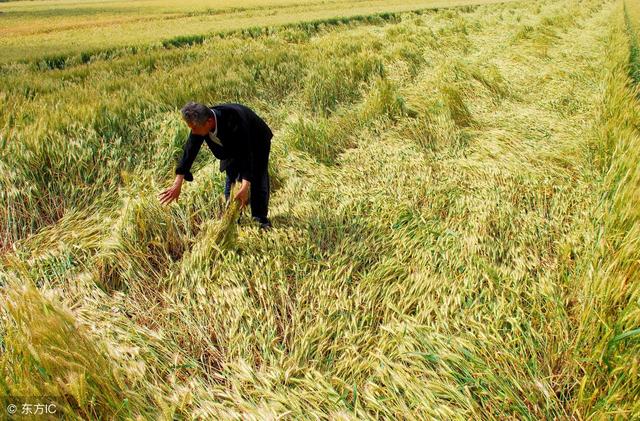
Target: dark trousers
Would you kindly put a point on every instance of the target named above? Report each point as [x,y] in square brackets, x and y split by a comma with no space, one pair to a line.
[259,198]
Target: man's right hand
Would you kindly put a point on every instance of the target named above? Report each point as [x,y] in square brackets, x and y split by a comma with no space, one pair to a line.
[173,192]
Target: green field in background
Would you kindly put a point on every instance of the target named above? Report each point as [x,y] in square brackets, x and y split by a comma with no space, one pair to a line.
[31,30]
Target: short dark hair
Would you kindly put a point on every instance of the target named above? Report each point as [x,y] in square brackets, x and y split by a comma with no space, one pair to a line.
[195,113]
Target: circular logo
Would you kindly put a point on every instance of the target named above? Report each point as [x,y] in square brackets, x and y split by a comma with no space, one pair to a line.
[11,409]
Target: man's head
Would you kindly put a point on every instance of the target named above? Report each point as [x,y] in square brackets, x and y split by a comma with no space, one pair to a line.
[199,118]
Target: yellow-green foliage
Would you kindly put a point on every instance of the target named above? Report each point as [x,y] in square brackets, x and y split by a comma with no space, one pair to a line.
[143,240]
[216,236]
[609,325]
[455,235]
[47,354]
[58,33]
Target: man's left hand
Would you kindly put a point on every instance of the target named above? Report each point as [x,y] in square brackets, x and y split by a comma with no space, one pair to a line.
[243,194]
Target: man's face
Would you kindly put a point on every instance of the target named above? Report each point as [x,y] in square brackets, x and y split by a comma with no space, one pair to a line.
[201,130]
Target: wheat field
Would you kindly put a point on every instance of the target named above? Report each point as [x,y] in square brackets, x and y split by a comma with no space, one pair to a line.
[455,208]
[78,30]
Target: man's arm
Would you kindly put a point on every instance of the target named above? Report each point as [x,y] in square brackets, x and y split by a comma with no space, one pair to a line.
[189,153]
[246,162]
[247,165]
[254,130]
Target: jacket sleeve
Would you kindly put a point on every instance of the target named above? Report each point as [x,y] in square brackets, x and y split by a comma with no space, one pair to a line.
[251,132]
[247,161]
[189,153]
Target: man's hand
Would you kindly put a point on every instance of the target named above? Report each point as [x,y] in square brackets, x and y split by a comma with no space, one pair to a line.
[243,193]
[173,192]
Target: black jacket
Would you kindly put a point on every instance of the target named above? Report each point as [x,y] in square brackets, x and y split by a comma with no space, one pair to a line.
[245,138]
